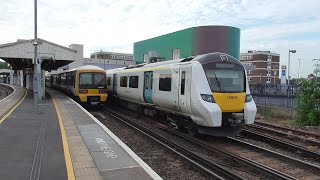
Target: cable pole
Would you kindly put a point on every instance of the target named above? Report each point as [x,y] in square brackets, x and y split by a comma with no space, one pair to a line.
[35,76]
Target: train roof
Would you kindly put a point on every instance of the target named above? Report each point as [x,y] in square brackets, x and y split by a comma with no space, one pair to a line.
[216,57]
[85,67]
[202,59]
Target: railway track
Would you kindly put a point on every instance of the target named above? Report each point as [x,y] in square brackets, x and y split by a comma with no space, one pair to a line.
[212,169]
[227,160]
[303,140]
[287,164]
[238,148]
[4,92]
[282,141]
[287,131]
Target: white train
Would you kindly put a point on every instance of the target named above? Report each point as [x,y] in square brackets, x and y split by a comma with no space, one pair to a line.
[206,94]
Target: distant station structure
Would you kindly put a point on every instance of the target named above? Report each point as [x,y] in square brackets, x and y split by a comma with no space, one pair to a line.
[104,60]
[20,55]
[189,42]
[263,66]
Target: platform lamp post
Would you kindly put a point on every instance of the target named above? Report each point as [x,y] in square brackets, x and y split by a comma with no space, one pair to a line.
[35,61]
[317,64]
[299,71]
[290,51]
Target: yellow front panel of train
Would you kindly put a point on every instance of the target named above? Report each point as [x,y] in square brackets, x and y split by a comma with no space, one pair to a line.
[230,102]
[93,92]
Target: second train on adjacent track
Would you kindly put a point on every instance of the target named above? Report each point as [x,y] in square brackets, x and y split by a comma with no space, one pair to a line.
[87,84]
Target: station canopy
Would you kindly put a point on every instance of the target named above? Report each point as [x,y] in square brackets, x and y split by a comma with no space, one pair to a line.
[20,54]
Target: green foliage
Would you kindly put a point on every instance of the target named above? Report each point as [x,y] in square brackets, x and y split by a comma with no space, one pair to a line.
[4,65]
[308,103]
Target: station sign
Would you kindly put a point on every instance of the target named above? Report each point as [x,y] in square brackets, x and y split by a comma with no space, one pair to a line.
[283,74]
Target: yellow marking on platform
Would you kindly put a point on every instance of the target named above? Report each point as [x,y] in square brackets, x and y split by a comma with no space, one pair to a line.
[14,108]
[66,151]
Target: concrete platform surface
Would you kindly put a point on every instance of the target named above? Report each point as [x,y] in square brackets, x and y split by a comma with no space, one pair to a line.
[61,141]
[31,144]
[95,151]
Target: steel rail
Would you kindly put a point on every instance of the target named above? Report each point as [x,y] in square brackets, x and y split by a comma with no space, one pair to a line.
[294,131]
[6,90]
[294,147]
[294,160]
[266,171]
[281,133]
[201,163]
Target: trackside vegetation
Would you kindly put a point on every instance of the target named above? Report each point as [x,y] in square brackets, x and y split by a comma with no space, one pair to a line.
[4,65]
[308,103]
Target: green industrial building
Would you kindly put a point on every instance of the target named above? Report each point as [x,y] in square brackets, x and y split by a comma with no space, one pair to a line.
[189,42]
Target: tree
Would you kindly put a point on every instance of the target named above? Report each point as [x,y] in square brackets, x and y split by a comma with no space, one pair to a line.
[4,65]
[316,71]
[308,103]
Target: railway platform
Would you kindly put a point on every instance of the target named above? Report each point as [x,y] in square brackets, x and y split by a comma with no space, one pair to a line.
[61,141]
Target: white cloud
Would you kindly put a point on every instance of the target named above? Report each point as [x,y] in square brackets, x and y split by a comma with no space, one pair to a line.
[117,24]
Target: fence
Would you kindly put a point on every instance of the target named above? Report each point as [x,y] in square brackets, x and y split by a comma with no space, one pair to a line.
[280,95]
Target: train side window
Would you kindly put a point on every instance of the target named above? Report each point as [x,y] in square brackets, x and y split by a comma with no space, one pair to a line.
[183,82]
[133,81]
[146,83]
[151,81]
[123,81]
[165,82]
[72,78]
[109,81]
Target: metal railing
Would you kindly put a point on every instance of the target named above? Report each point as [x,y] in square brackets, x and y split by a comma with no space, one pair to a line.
[281,95]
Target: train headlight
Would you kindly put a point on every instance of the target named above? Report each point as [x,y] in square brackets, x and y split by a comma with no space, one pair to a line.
[208,98]
[81,91]
[248,98]
[102,91]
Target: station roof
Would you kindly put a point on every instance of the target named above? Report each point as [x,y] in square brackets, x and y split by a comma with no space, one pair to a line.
[20,54]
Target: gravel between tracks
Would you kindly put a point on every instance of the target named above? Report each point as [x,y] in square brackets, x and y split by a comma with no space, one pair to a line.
[161,160]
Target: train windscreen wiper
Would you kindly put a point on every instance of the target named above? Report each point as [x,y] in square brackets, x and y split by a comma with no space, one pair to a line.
[219,83]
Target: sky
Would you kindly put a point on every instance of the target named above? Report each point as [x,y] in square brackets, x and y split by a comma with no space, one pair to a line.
[114,25]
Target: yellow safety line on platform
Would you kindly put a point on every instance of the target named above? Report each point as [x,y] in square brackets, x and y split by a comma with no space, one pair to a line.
[14,108]
[67,156]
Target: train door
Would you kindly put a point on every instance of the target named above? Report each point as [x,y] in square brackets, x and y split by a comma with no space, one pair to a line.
[185,88]
[147,89]
[115,85]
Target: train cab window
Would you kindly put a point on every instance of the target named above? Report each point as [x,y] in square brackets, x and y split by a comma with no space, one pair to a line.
[165,82]
[133,81]
[123,81]
[225,77]
[99,80]
[92,80]
[183,82]
[86,79]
